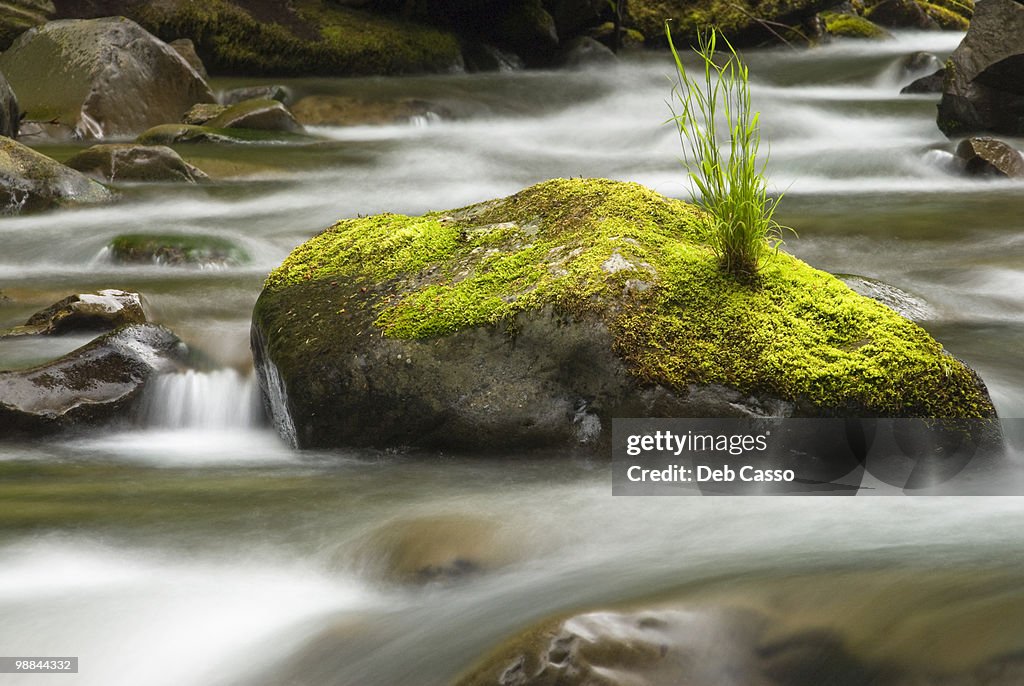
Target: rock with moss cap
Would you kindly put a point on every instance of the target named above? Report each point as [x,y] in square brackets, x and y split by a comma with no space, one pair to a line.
[534,319]
[31,181]
[852,26]
[176,250]
[176,134]
[103,77]
[258,114]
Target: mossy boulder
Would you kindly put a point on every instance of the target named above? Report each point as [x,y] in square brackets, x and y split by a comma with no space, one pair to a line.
[113,162]
[99,383]
[337,110]
[300,38]
[103,77]
[951,15]
[31,181]
[175,134]
[234,96]
[176,249]
[852,26]
[535,319]
[10,111]
[258,115]
[18,16]
[187,49]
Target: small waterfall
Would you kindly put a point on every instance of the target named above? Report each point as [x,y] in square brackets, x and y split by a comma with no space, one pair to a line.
[221,399]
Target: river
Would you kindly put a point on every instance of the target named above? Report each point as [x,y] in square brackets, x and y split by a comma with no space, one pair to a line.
[198,549]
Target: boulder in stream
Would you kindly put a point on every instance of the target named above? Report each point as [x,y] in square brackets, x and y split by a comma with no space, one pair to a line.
[30,181]
[103,311]
[989,157]
[113,162]
[103,77]
[335,110]
[261,115]
[176,134]
[10,111]
[18,16]
[533,320]
[95,385]
[984,79]
[176,250]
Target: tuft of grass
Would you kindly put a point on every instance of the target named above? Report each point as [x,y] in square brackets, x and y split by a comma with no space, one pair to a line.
[712,112]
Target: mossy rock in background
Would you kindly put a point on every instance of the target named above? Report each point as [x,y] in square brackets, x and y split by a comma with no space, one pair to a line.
[534,319]
[175,134]
[18,16]
[259,115]
[176,249]
[852,26]
[113,162]
[952,15]
[314,39]
[30,182]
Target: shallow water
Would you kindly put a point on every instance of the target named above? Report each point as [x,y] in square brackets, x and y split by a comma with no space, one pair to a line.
[197,548]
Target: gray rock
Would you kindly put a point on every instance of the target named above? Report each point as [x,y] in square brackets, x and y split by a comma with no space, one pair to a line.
[984,81]
[236,95]
[926,84]
[103,311]
[202,112]
[174,134]
[257,115]
[97,384]
[989,157]
[10,111]
[36,132]
[112,162]
[901,14]
[584,52]
[330,110]
[31,181]
[187,49]
[18,16]
[103,77]
[907,305]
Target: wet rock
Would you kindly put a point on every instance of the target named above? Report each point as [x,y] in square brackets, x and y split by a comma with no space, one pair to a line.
[100,383]
[901,14]
[984,80]
[258,115]
[490,58]
[575,16]
[920,61]
[113,162]
[31,181]
[187,49]
[527,29]
[202,112]
[533,320]
[10,111]
[103,311]
[330,110]
[103,77]
[236,95]
[36,132]
[18,16]
[176,134]
[907,305]
[852,26]
[989,157]
[176,250]
[926,84]
[584,52]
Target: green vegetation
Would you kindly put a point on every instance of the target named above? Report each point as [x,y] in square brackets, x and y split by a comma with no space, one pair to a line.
[852,26]
[731,188]
[640,263]
[176,249]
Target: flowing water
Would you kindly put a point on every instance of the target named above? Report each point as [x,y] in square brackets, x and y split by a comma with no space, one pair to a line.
[198,549]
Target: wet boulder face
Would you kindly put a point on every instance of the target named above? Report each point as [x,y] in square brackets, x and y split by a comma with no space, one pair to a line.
[103,77]
[31,181]
[983,88]
[533,320]
[260,115]
[990,157]
[18,16]
[97,384]
[175,134]
[103,311]
[330,110]
[113,162]
[10,111]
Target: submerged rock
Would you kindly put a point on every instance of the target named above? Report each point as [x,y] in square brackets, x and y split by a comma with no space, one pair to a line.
[260,115]
[176,249]
[989,157]
[103,311]
[333,110]
[533,320]
[31,181]
[236,95]
[175,134]
[897,299]
[984,79]
[97,384]
[114,162]
[103,77]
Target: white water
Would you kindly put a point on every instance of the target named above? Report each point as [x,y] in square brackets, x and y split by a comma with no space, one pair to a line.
[221,399]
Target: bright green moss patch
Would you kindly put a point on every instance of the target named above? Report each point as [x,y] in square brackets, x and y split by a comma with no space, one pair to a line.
[852,26]
[638,262]
[176,249]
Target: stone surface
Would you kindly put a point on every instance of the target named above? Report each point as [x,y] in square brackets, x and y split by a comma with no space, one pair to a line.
[187,49]
[236,95]
[31,181]
[901,14]
[984,79]
[175,134]
[926,84]
[18,16]
[103,77]
[584,52]
[257,115]
[176,250]
[201,113]
[534,320]
[896,299]
[103,311]
[990,157]
[10,111]
[113,162]
[97,384]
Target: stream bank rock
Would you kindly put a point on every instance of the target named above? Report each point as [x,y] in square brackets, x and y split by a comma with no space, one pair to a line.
[102,77]
[97,384]
[103,311]
[10,110]
[990,157]
[112,162]
[534,319]
[983,88]
[31,181]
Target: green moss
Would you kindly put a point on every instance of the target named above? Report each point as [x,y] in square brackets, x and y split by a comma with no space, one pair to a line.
[174,134]
[641,263]
[852,26]
[949,18]
[742,21]
[338,41]
[176,249]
